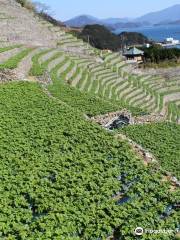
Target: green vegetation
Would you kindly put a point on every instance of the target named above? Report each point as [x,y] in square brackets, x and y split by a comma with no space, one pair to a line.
[13,62]
[37,68]
[41,10]
[85,102]
[4,49]
[88,103]
[162,139]
[102,38]
[133,38]
[163,64]
[66,178]
[63,177]
[27,4]
[158,56]
[50,19]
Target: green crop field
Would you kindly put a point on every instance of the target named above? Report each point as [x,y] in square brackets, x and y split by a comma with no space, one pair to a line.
[63,177]
[162,139]
[85,102]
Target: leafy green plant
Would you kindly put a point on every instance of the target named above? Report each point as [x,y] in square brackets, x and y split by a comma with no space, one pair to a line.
[4,49]
[63,177]
[13,62]
[38,69]
[162,139]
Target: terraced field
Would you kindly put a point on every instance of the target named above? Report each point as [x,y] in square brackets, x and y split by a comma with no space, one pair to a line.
[63,176]
[78,64]
[101,76]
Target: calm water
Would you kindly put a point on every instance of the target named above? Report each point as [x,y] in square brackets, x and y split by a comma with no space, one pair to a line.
[158,33]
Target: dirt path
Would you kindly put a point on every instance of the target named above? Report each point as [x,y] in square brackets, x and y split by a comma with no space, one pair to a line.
[145,155]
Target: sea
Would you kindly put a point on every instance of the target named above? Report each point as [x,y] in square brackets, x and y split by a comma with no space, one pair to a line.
[156,33]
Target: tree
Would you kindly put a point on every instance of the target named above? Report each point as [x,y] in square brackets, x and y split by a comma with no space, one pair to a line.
[41,7]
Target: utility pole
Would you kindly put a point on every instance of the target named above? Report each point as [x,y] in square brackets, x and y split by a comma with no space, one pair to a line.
[88,39]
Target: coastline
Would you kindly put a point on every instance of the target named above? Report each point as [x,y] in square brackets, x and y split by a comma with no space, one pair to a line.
[155,33]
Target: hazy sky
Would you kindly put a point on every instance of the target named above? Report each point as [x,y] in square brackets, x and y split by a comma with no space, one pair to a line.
[66,9]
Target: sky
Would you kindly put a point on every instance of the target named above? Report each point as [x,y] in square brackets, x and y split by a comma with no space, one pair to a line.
[66,9]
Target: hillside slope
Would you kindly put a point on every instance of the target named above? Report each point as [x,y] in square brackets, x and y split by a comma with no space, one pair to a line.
[102,38]
[17,24]
[165,15]
[66,178]
[63,177]
[82,21]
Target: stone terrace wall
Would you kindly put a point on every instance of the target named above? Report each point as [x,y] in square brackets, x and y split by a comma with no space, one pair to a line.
[18,25]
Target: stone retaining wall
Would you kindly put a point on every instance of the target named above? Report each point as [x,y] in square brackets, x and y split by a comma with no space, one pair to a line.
[18,25]
[108,118]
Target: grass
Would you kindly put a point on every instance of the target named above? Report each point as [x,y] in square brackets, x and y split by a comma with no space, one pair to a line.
[5,49]
[161,139]
[37,69]
[13,62]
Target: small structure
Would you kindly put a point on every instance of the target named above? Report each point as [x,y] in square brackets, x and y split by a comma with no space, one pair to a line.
[172,41]
[134,54]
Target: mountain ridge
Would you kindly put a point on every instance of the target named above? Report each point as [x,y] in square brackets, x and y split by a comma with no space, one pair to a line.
[89,18]
[111,23]
[169,14]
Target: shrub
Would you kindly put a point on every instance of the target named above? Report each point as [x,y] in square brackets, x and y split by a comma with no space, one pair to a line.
[27,4]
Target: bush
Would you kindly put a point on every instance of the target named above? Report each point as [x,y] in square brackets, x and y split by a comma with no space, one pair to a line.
[156,54]
[100,37]
[27,4]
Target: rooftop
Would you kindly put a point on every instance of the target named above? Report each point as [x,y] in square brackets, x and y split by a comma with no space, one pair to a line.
[133,51]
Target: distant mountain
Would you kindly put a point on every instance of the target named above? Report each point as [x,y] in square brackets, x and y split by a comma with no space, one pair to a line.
[129,25]
[167,15]
[177,22]
[82,21]
[115,20]
[171,14]
[111,23]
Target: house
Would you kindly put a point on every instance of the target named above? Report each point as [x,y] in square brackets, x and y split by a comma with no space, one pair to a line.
[134,54]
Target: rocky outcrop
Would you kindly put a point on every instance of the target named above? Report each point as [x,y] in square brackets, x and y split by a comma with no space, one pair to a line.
[45,79]
[107,119]
[124,117]
[7,75]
